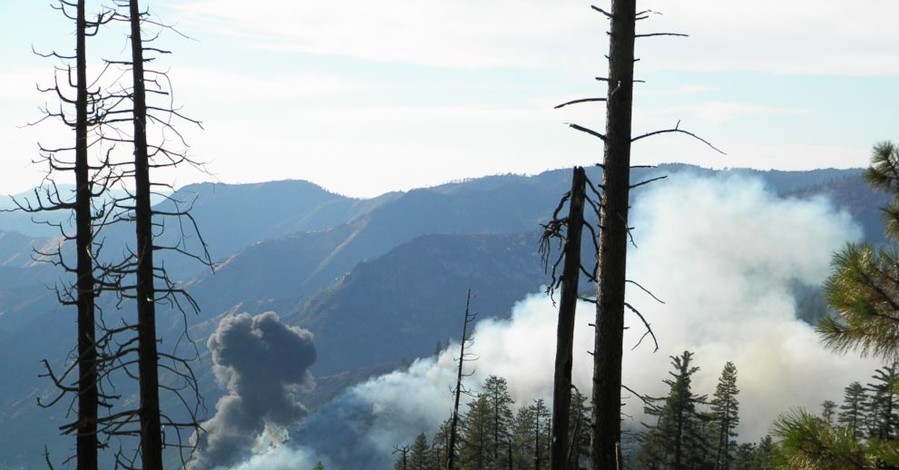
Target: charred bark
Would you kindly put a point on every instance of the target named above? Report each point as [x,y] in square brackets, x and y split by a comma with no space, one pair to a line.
[88,397]
[150,426]
[613,237]
[565,332]
[454,423]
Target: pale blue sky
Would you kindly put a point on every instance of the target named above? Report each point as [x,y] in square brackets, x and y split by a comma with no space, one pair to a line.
[366,97]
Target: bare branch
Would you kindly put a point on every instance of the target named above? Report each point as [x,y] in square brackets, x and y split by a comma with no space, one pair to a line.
[642,183]
[607,14]
[585,130]
[651,35]
[677,129]
[645,290]
[648,332]
[582,100]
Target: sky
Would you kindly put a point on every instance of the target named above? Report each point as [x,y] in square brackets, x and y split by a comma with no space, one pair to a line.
[367,97]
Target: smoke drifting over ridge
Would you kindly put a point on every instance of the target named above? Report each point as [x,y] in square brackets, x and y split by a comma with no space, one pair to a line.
[723,253]
[262,363]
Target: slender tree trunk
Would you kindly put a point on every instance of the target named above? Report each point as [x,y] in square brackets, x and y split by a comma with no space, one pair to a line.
[451,451]
[565,331]
[537,442]
[150,428]
[86,442]
[678,443]
[495,426]
[606,414]
[722,460]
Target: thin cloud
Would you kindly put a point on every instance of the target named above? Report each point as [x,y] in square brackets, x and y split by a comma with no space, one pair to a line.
[804,37]
[452,34]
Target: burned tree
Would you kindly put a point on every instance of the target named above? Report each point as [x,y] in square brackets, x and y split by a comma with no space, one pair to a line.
[113,194]
[614,230]
[140,276]
[568,281]
[150,425]
[91,182]
[88,398]
[613,225]
[458,390]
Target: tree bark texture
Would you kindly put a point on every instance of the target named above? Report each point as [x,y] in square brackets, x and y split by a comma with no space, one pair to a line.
[565,330]
[86,441]
[451,451]
[613,237]
[150,428]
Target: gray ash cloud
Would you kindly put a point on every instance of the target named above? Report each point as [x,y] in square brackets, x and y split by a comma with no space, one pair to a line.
[262,363]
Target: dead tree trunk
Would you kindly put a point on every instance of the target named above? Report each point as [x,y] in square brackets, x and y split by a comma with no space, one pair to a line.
[150,428]
[88,397]
[86,442]
[606,414]
[451,450]
[565,332]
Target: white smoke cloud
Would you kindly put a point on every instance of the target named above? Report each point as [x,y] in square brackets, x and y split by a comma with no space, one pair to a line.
[722,253]
[282,458]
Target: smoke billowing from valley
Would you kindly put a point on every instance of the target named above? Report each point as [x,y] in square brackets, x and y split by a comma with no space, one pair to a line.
[728,259]
[262,363]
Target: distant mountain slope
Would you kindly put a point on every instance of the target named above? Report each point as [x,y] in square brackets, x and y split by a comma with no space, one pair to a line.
[233,216]
[16,249]
[403,303]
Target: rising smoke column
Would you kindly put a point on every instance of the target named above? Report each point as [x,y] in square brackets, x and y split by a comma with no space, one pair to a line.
[262,363]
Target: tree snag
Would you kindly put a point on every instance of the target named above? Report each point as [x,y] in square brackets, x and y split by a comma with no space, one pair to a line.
[565,331]
[606,415]
[86,441]
[150,427]
[454,423]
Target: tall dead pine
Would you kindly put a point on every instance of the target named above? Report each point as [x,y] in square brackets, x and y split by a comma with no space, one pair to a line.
[88,397]
[614,232]
[150,427]
[454,423]
[565,331]
[606,415]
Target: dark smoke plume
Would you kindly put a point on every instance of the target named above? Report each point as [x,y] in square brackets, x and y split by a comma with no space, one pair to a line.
[262,363]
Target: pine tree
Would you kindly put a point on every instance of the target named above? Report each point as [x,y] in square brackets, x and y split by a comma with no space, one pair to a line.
[852,411]
[765,453]
[864,285]
[882,404]
[496,390]
[725,415]
[755,456]
[531,437]
[438,450]
[418,454]
[745,457]
[476,445]
[676,440]
[578,431]
[828,408]
[808,441]
[542,436]
[402,458]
